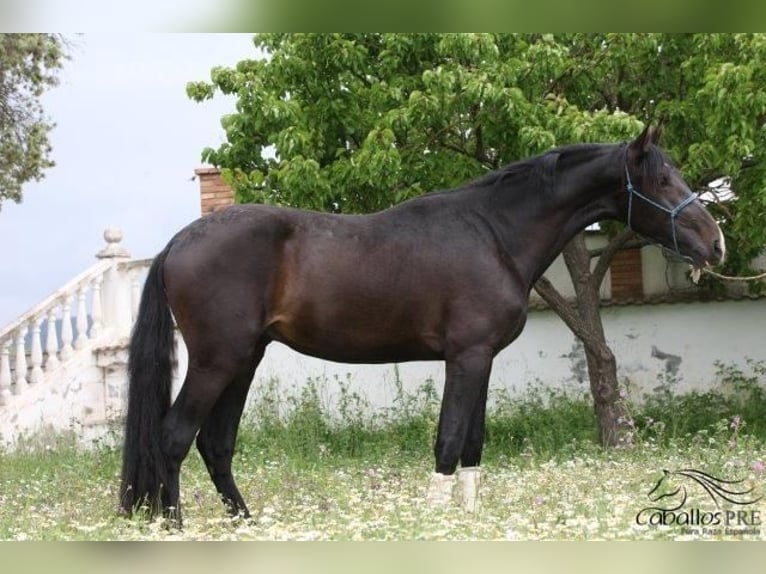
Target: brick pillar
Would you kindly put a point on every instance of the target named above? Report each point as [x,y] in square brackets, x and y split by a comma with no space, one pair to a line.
[214,193]
[627,275]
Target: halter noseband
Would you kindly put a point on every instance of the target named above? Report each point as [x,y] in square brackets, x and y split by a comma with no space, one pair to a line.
[632,191]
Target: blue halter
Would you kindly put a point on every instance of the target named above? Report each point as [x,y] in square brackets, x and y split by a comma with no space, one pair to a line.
[674,213]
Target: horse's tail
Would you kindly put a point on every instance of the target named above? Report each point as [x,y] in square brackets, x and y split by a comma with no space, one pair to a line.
[150,371]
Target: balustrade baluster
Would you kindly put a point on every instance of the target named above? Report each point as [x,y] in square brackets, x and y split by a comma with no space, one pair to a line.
[5,373]
[135,293]
[36,356]
[51,342]
[66,328]
[82,318]
[96,312]
[21,361]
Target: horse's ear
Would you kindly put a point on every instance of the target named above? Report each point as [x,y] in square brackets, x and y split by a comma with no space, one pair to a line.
[650,135]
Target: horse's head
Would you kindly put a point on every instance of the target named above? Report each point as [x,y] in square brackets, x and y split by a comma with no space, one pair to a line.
[660,205]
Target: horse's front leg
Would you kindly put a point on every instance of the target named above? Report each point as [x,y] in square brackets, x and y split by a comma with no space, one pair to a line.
[460,434]
[469,475]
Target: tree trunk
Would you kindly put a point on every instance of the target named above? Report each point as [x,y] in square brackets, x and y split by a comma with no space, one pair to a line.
[611,414]
[584,319]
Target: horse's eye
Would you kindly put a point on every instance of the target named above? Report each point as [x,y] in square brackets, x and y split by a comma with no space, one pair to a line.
[664,180]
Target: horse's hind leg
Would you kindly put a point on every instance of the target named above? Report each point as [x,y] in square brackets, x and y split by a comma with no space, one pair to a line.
[209,375]
[197,396]
[218,435]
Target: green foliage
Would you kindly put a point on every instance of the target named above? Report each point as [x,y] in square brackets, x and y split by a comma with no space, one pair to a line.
[29,64]
[301,425]
[361,121]
[542,422]
[738,394]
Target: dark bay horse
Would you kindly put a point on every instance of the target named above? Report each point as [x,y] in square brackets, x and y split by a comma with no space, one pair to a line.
[445,276]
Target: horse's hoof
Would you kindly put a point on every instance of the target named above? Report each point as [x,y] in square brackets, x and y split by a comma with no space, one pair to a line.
[241,517]
[440,489]
[469,479]
[173,524]
[172,518]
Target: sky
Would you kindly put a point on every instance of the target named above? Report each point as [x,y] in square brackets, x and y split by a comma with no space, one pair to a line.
[94,15]
[126,143]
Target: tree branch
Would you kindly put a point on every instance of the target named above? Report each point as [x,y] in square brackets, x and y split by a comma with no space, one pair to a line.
[710,175]
[560,305]
[461,150]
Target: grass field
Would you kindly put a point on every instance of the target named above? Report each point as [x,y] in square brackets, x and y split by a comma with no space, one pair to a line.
[307,477]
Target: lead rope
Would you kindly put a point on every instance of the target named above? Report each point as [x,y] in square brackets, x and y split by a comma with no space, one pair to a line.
[730,278]
[696,273]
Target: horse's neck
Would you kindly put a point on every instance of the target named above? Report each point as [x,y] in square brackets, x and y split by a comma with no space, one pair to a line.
[584,192]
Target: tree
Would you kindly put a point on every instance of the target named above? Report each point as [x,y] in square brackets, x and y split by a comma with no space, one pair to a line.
[360,122]
[29,64]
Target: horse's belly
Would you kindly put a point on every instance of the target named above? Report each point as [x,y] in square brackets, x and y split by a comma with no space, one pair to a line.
[364,355]
[347,339]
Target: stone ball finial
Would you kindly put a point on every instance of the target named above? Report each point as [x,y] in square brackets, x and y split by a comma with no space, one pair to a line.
[112,234]
[113,237]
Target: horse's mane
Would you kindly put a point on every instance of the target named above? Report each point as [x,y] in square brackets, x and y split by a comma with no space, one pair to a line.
[539,169]
[542,168]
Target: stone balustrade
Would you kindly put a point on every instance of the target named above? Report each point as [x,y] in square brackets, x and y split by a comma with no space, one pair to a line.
[98,305]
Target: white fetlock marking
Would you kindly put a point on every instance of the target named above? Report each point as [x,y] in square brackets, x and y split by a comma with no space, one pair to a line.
[470,480]
[440,489]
